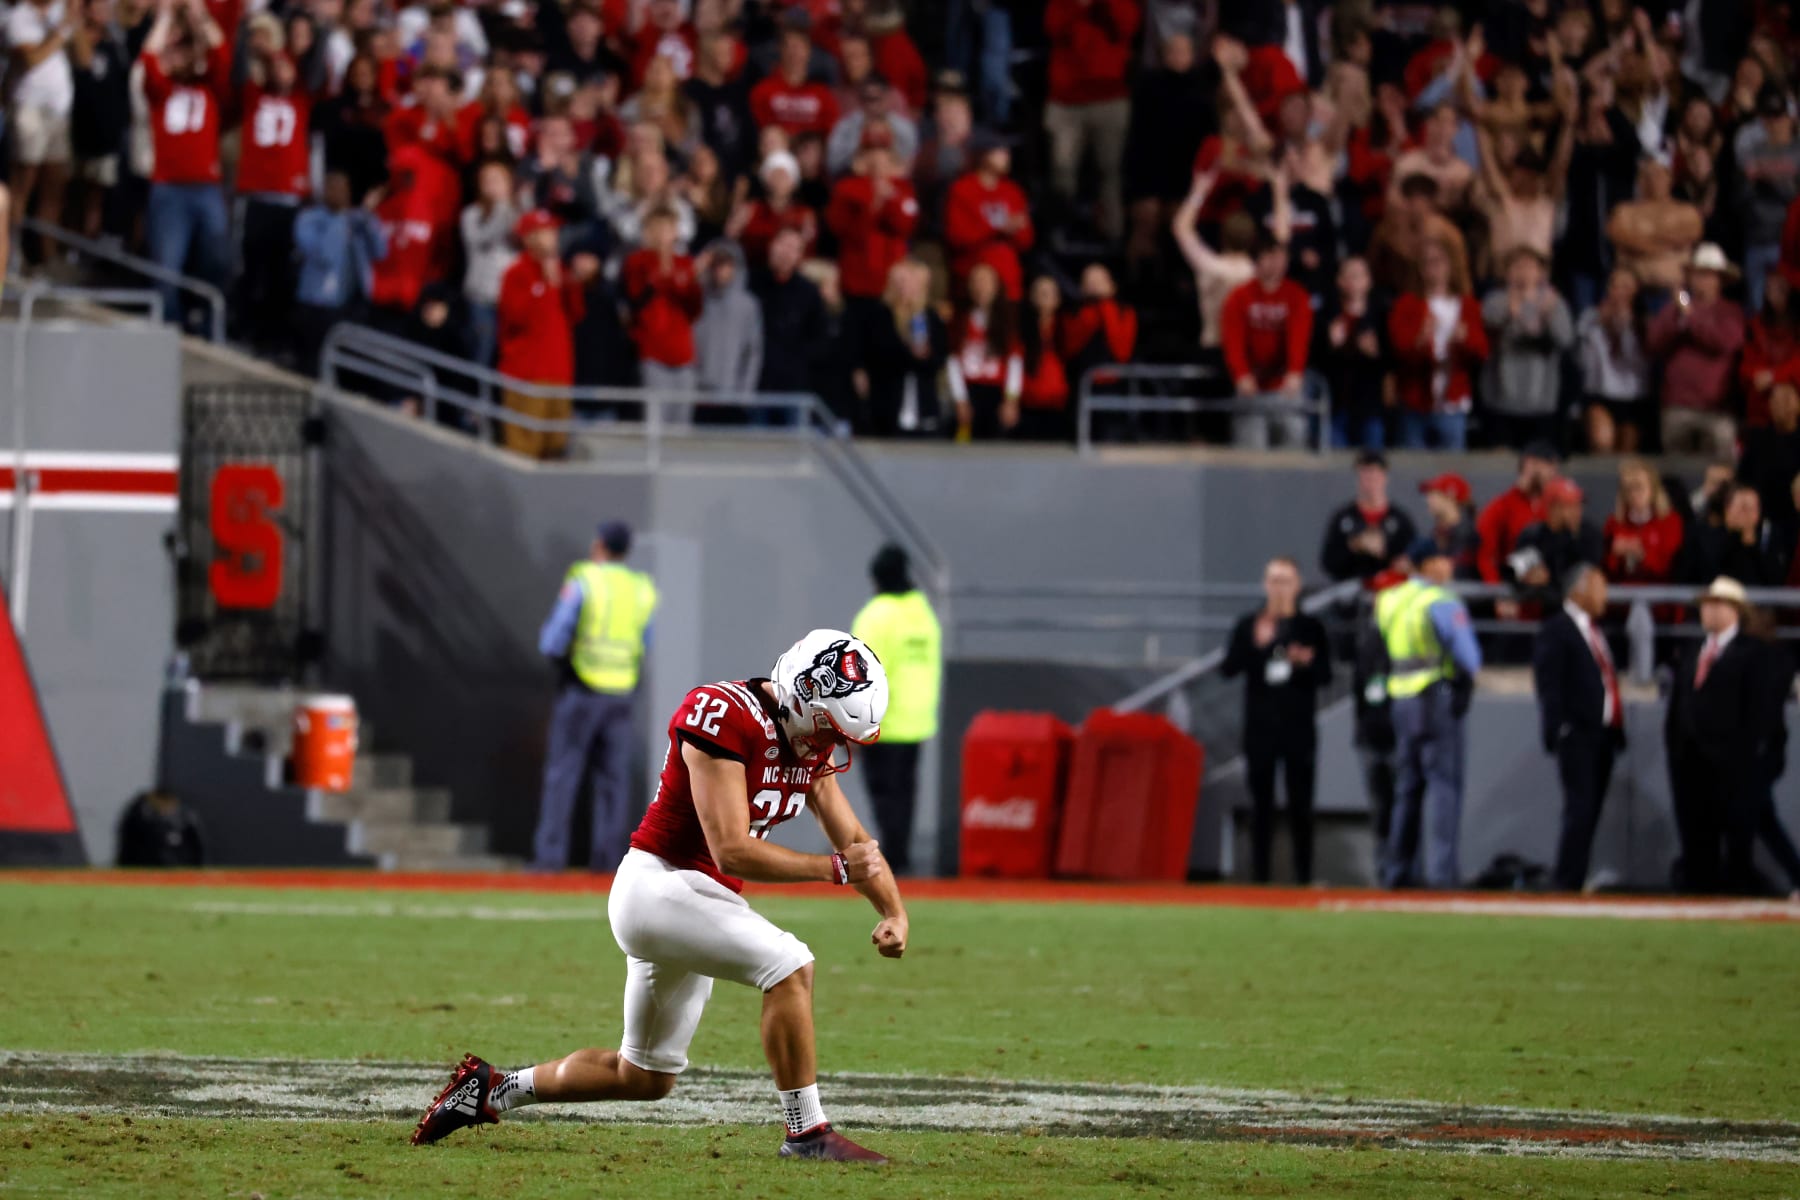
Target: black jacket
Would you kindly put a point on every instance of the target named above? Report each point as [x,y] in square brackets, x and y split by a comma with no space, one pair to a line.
[1341,562]
[1160,153]
[1713,550]
[1770,461]
[890,361]
[1561,550]
[1374,717]
[1356,377]
[1571,691]
[1280,705]
[1773,685]
[1718,724]
[793,330]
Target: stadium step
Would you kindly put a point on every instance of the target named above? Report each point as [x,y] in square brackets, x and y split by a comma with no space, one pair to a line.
[381,838]
[389,805]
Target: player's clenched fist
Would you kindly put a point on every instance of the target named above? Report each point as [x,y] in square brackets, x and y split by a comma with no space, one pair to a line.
[890,937]
[863,861]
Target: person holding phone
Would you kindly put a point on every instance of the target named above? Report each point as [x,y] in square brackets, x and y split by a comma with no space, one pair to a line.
[1695,342]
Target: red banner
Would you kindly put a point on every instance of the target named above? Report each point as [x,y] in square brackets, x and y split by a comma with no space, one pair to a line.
[32,798]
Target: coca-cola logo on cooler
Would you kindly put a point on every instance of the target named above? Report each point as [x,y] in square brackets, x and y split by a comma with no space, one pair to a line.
[1017,813]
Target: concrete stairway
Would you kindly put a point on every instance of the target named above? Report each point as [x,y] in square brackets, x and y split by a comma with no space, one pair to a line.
[385,818]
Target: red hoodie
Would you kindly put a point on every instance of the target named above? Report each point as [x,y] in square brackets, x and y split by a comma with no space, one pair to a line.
[1500,525]
[665,303]
[537,323]
[978,225]
[419,213]
[1265,333]
[1090,49]
[871,238]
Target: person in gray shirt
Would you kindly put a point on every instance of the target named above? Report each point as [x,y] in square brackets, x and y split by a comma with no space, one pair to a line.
[1768,179]
[1530,329]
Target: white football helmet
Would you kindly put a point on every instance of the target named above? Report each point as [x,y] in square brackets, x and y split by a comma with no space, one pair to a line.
[829,683]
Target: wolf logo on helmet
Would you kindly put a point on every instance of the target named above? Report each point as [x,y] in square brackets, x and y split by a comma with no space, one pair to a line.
[830,686]
[837,671]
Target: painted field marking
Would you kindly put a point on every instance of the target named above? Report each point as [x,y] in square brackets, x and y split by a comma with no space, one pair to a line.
[297,1089]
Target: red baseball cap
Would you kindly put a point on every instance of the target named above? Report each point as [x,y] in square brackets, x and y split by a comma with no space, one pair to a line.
[1562,491]
[1450,484]
[533,221]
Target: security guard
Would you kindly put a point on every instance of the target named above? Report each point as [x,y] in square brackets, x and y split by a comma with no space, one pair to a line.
[899,626]
[1432,663]
[596,634]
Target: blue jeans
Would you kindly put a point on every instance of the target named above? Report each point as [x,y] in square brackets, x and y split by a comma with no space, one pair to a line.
[187,220]
[590,746]
[990,80]
[1428,792]
[1367,432]
[1758,262]
[484,330]
[1440,431]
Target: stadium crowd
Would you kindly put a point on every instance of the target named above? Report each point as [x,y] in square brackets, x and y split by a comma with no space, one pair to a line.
[1488,222]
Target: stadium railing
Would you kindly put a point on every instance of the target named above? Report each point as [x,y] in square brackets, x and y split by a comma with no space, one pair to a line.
[442,382]
[1152,394]
[209,294]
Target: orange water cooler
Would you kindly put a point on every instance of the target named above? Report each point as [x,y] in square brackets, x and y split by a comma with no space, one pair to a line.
[324,755]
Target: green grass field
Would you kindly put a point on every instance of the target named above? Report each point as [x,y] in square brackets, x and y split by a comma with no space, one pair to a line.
[1399,1028]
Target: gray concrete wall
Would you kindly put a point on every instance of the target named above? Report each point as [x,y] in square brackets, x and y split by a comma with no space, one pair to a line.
[101,599]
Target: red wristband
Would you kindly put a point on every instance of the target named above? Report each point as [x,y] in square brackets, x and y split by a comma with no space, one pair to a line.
[840,869]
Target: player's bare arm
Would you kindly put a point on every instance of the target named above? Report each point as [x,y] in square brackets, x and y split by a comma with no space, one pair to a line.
[831,809]
[722,803]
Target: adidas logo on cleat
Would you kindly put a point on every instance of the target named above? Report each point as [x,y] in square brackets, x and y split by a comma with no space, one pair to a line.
[467,1098]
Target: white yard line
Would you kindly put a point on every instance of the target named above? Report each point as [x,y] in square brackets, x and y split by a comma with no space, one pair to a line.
[290,1089]
[1624,910]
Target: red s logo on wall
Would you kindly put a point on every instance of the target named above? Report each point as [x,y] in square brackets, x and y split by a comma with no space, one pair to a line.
[246,568]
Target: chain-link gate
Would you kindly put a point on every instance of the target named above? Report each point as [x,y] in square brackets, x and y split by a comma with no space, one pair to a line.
[248,478]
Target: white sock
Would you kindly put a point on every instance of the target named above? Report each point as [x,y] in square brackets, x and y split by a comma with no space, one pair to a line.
[514,1089]
[801,1108]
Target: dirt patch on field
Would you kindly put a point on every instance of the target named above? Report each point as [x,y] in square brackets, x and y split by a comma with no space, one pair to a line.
[289,1089]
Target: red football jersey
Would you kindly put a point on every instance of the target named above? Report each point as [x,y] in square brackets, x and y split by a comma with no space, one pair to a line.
[275,154]
[729,719]
[185,118]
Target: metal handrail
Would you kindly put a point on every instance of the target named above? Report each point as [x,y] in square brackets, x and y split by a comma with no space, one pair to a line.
[210,293]
[1111,589]
[1088,403]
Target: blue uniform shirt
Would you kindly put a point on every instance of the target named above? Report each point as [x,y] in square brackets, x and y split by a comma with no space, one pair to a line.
[559,627]
[1450,621]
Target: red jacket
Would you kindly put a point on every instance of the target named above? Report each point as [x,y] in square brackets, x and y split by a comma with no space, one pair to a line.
[1662,537]
[419,213]
[276,149]
[764,223]
[1415,364]
[1090,49]
[186,118]
[537,323]
[679,45]
[806,108]
[1790,244]
[1776,351]
[413,126]
[665,303]
[1046,381]
[1265,334]
[1500,525]
[979,228]
[871,239]
[1116,322]
[898,61]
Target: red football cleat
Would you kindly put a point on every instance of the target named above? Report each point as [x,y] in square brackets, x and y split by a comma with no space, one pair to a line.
[824,1142]
[463,1102]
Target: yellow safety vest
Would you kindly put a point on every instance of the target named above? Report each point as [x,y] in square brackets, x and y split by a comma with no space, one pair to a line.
[1416,660]
[903,632]
[609,635]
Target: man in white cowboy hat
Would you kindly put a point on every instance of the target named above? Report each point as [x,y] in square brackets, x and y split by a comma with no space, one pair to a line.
[1695,341]
[1709,736]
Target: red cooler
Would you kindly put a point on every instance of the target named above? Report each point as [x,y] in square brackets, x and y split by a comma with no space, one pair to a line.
[324,742]
[1013,769]
[1134,786]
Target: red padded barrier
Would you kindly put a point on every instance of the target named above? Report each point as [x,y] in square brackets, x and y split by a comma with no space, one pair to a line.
[1014,767]
[1134,787]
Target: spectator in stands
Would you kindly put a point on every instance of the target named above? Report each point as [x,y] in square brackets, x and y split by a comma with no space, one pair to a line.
[875,110]
[434,325]
[1771,349]
[1089,112]
[1696,341]
[1509,513]
[1285,660]
[755,223]
[1044,399]
[1615,371]
[336,247]
[1365,536]
[663,31]
[1710,734]
[873,213]
[273,180]
[895,57]
[793,316]
[721,100]
[350,126]
[1603,167]
[788,97]
[1744,546]
[1266,333]
[728,337]
[1099,331]
[1768,181]
[1548,551]
[834,366]
[1520,197]
[1159,152]
[905,355]
[947,141]
[1438,340]
[1771,458]
[101,115]
[1350,350]
[576,45]
[662,103]
[1217,273]
[662,290]
[1448,498]
[38,33]
[540,303]
[187,87]
[487,228]
[1582,714]
[987,220]
[986,367]
[1655,235]
[1529,329]
[158,830]
[1437,159]
[1644,533]
[1405,235]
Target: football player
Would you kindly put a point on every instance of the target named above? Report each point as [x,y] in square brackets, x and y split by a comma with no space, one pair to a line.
[744,756]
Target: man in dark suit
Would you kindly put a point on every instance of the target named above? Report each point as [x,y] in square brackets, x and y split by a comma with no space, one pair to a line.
[1710,734]
[1583,714]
